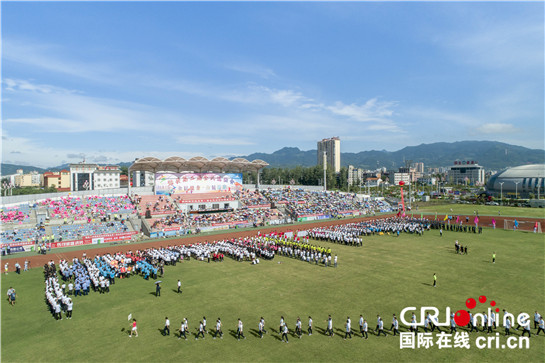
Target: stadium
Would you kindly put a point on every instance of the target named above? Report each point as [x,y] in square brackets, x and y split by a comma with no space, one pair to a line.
[201,244]
[521,180]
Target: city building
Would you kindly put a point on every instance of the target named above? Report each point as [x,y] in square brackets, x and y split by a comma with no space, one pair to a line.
[419,167]
[93,177]
[355,175]
[31,179]
[59,180]
[332,148]
[427,180]
[405,177]
[107,177]
[466,172]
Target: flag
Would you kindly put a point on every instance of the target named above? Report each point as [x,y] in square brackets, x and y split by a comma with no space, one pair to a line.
[516,223]
[129,317]
[421,215]
[446,217]
[435,215]
[457,219]
[476,220]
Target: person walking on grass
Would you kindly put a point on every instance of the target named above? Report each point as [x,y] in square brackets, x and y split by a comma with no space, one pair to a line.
[134,329]
[200,331]
[285,333]
[218,329]
[240,330]
[348,332]
[166,330]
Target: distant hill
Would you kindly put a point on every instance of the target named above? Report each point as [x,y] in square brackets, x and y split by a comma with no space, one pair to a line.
[490,154]
[8,169]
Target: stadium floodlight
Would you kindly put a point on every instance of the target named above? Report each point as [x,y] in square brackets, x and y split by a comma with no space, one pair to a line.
[516,189]
[501,192]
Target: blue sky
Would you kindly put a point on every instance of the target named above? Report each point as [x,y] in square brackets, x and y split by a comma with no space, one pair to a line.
[113,81]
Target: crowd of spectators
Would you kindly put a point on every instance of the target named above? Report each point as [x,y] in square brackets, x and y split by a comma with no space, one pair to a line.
[22,234]
[154,204]
[186,222]
[299,202]
[77,231]
[88,208]
[15,214]
[252,198]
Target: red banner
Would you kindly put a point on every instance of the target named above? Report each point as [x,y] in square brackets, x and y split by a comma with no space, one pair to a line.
[18,243]
[103,238]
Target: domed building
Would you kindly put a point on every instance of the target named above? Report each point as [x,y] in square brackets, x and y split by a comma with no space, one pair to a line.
[521,180]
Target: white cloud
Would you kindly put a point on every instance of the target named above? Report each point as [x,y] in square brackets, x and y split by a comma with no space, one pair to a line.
[65,111]
[372,110]
[37,153]
[497,128]
[252,69]
[212,140]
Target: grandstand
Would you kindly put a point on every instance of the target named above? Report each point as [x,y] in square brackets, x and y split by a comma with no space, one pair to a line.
[185,199]
[67,218]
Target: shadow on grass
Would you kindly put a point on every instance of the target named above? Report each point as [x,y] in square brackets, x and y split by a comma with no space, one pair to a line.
[254,332]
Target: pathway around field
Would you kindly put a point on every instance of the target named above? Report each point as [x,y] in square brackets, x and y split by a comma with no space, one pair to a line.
[40,260]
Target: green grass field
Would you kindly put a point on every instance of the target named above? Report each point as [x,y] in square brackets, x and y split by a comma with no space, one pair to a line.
[383,277]
[483,210]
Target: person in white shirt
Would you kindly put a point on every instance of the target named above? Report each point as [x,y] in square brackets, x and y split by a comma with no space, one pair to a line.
[240,332]
[329,330]
[179,287]
[285,331]
[260,328]
[166,330]
[507,326]
[183,330]
[365,328]
[381,328]
[201,331]
[218,329]
[262,320]
[298,329]
[309,326]
[348,327]
[526,327]
[58,315]
[69,306]
[395,326]
[204,324]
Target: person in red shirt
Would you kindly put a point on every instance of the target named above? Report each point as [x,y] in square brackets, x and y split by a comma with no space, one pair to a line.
[134,329]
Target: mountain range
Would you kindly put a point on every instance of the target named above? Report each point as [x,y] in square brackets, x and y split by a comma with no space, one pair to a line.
[492,155]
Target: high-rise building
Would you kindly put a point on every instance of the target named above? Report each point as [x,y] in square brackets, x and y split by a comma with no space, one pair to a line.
[332,148]
[419,167]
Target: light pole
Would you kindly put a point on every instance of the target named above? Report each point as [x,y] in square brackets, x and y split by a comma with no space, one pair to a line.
[516,189]
[501,192]
[410,194]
